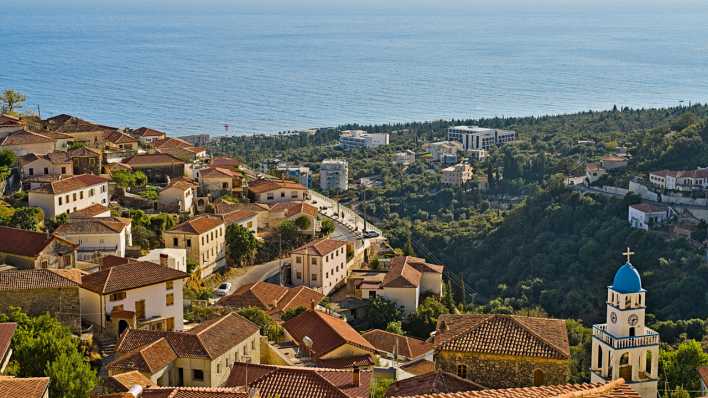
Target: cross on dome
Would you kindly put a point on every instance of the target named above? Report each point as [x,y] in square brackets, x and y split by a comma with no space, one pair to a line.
[628,254]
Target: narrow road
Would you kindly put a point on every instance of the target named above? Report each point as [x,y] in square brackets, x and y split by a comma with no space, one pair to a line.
[255,273]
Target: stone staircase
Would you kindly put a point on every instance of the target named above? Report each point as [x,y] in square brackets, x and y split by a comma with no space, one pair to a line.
[106,345]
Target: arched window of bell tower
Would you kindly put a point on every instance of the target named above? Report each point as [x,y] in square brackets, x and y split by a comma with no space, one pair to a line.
[648,362]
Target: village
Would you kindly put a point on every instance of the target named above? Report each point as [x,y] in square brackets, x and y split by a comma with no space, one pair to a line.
[192,275]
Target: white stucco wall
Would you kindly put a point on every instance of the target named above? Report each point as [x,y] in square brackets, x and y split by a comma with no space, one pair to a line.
[49,203]
[403,296]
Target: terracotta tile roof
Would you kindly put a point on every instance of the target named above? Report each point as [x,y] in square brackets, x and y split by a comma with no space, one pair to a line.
[7,330]
[419,264]
[347,362]
[52,157]
[26,243]
[91,226]
[36,279]
[28,387]
[703,374]
[118,137]
[294,208]
[72,124]
[218,172]
[271,297]
[196,392]
[129,276]
[401,275]
[223,161]
[223,207]
[614,389]
[388,342]
[419,367]
[198,225]
[89,212]
[149,359]
[237,216]
[263,185]
[210,339]
[111,261]
[72,183]
[171,142]
[9,121]
[613,158]
[648,208]
[23,137]
[321,247]
[148,132]
[503,335]
[299,382]
[431,383]
[326,331]
[182,184]
[123,381]
[84,152]
[152,159]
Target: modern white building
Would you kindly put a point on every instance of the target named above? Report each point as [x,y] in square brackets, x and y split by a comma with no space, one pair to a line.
[404,158]
[168,257]
[356,139]
[438,150]
[69,194]
[475,137]
[646,215]
[624,347]
[301,175]
[334,175]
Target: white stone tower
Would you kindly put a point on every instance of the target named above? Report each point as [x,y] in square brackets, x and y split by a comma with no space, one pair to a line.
[623,346]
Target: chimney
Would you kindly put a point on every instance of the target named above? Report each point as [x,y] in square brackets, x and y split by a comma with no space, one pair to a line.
[313,305]
[356,376]
[164,260]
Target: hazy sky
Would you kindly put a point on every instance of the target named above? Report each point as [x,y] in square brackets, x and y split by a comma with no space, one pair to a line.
[309,5]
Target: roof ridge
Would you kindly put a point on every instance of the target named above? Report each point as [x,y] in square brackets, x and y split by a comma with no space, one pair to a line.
[297,293]
[486,319]
[538,336]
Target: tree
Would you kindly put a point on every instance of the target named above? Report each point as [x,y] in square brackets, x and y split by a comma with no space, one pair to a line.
[292,313]
[264,321]
[327,227]
[380,386]
[12,101]
[395,327]
[242,245]
[425,319]
[678,367]
[29,218]
[7,158]
[382,311]
[303,223]
[43,347]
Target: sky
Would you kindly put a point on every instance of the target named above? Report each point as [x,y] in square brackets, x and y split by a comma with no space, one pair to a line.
[349,5]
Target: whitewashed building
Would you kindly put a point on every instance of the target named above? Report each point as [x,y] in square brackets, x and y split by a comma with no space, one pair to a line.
[69,194]
[98,237]
[646,215]
[475,137]
[360,139]
[334,175]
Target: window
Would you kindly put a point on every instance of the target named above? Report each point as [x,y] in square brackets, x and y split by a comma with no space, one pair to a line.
[31,171]
[174,242]
[91,192]
[74,196]
[46,170]
[60,201]
[81,194]
[539,378]
[253,344]
[197,374]
[103,188]
[314,277]
[66,198]
[298,275]
[313,261]
[170,324]
[282,194]
[63,170]
[169,285]
[298,259]
[462,371]
[117,296]
[189,243]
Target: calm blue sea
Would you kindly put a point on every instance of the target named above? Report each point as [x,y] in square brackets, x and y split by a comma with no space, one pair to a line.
[271,72]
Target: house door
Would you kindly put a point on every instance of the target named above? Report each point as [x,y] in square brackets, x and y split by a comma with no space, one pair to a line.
[122,325]
[626,372]
[140,309]
[180,376]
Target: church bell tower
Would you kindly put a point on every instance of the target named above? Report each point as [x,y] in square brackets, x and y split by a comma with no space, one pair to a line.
[623,347]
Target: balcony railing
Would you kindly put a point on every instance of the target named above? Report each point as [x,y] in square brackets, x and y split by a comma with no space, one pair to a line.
[650,338]
[103,248]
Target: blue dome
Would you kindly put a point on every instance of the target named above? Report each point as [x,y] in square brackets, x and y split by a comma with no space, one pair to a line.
[627,280]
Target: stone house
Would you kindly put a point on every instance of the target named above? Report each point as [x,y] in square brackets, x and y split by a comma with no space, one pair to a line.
[98,236]
[320,265]
[117,140]
[24,142]
[274,191]
[82,131]
[86,160]
[40,291]
[136,295]
[200,357]
[503,351]
[157,166]
[28,249]
[291,211]
[271,298]
[204,238]
[51,164]
[178,196]
[335,344]
[147,135]
[218,181]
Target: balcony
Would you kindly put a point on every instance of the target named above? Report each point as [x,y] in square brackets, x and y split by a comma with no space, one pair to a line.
[600,332]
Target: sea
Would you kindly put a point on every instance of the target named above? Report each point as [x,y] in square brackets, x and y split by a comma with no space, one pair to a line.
[264,72]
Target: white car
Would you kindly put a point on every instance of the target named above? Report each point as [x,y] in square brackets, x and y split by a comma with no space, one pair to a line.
[223,289]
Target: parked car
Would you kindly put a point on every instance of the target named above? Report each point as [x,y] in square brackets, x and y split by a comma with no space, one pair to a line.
[223,289]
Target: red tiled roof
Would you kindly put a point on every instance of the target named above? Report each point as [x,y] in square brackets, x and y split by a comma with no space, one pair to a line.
[84,152]
[321,247]
[299,382]
[149,359]
[89,212]
[263,185]
[26,243]
[118,137]
[218,172]
[23,137]
[294,208]
[271,297]
[326,332]
[129,276]
[503,335]
[209,339]
[401,275]
[72,183]
[123,381]
[419,367]
[420,264]
[148,132]
[196,392]
[223,161]
[38,279]
[7,330]
[388,342]
[198,225]
[648,208]
[703,374]
[27,387]
[152,159]
[171,142]
[357,361]
[182,184]
[112,260]
[223,207]
[614,389]
[431,383]
[94,225]
[72,124]
[9,121]
[236,216]
[52,157]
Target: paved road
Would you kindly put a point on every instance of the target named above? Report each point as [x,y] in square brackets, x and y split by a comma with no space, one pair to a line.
[255,273]
[346,216]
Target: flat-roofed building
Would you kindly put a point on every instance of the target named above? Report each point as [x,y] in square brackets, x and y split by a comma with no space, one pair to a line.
[360,139]
[334,175]
[475,137]
[457,175]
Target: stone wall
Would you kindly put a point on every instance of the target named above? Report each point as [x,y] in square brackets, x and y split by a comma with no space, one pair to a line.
[62,303]
[504,371]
